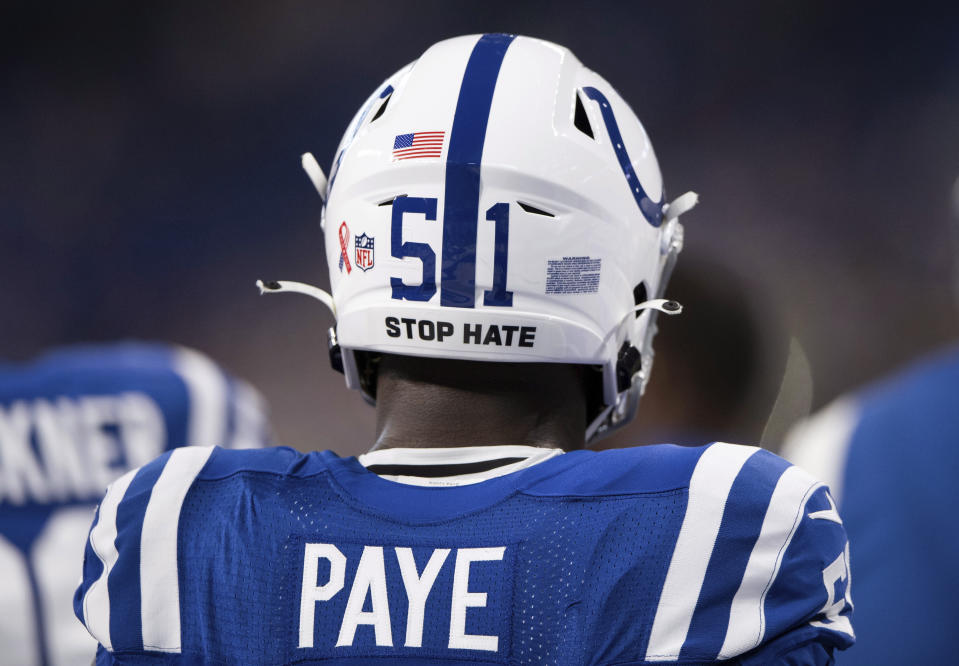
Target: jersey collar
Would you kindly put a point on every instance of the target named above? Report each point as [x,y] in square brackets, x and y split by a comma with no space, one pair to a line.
[419,504]
[455,466]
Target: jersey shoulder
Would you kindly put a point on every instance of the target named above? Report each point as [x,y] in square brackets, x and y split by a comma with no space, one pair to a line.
[88,370]
[201,403]
[758,565]
[859,433]
[655,469]
[920,404]
[128,594]
[889,453]
[924,380]
[77,418]
[761,554]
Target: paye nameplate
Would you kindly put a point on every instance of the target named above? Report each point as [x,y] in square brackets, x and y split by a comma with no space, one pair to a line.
[350,599]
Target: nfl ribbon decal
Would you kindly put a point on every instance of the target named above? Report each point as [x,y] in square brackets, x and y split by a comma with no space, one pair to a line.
[344,254]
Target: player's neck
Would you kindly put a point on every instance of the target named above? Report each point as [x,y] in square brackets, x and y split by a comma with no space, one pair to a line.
[430,403]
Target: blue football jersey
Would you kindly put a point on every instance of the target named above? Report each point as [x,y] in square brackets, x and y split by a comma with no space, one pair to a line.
[892,451]
[72,422]
[630,556]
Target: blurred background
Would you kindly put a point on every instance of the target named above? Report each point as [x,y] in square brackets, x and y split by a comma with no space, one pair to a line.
[149,174]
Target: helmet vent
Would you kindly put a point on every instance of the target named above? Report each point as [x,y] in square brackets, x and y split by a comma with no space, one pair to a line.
[534,210]
[580,119]
[379,111]
[640,295]
[389,202]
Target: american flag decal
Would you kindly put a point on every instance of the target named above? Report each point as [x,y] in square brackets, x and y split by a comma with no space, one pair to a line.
[418,144]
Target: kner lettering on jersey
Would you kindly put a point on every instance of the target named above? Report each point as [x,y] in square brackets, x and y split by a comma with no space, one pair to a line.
[357,598]
[475,334]
[71,448]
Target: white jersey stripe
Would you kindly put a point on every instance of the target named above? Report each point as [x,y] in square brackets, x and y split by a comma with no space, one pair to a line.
[747,617]
[159,581]
[207,388]
[709,488]
[96,602]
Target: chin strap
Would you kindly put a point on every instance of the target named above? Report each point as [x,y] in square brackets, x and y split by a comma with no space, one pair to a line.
[631,362]
[681,204]
[664,305]
[281,286]
[340,361]
[315,172]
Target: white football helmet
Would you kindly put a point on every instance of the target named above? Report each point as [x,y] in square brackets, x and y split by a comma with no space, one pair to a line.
[497,201]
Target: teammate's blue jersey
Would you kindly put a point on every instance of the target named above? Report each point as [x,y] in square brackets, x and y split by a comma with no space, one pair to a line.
[630,556]
[70,423]
[892,452]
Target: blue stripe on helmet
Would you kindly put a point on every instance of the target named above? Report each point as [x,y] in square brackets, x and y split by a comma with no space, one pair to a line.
[463,161]
[652,211]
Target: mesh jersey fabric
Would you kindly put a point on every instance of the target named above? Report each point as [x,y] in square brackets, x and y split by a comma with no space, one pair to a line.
[628,556]
[71,422]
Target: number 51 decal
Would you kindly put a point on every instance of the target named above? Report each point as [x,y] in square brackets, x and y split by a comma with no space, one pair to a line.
[426,206]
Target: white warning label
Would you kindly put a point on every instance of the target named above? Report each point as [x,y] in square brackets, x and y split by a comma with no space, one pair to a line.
[573,275]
